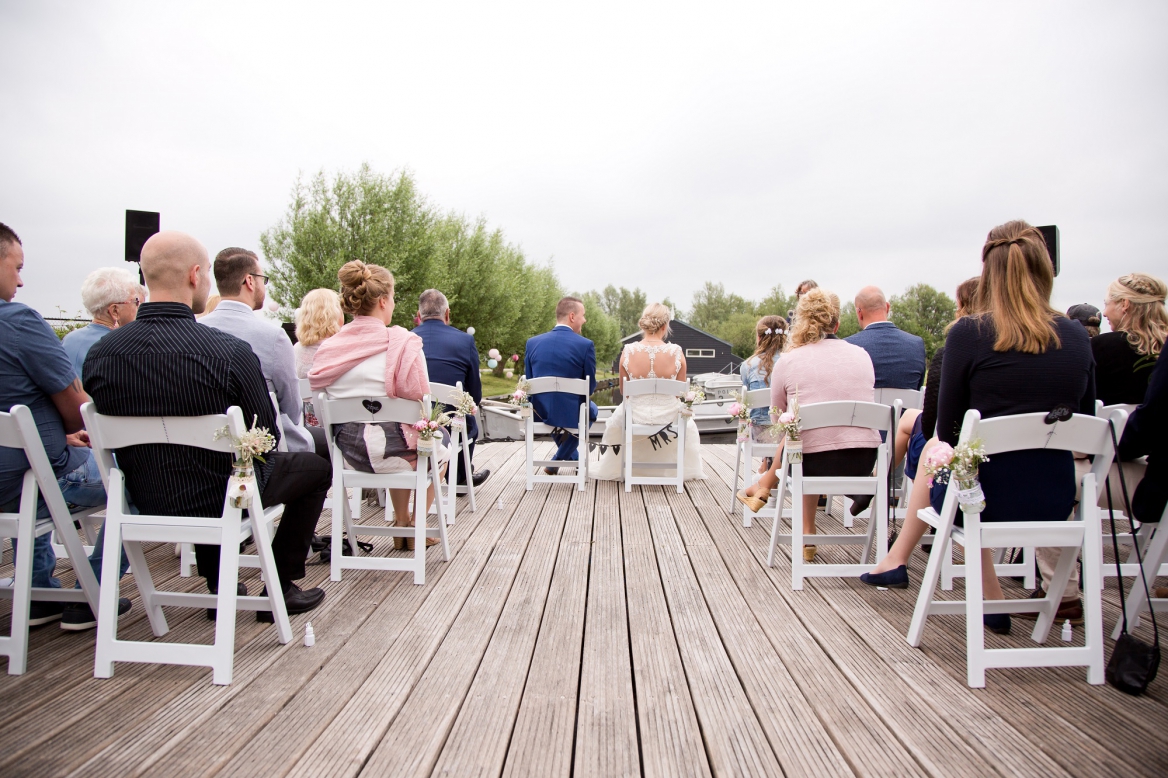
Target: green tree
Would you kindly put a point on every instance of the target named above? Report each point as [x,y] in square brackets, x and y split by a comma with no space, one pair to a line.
[385,220]
[849,323]
[925,312]
[623,306]
[601,328]
[712,306]
[776,303]
[738,331]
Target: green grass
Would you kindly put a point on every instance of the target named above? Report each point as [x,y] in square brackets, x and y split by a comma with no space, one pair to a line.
[494,386]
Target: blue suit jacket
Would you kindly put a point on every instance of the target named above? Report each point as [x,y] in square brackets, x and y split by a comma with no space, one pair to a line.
[562,353]
[451,356]
[897,356]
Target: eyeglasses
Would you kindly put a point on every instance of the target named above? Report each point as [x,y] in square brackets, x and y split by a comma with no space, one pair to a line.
[259,275]
[133,300]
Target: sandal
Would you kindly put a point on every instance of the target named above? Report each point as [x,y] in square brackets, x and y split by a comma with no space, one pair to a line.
[757,502]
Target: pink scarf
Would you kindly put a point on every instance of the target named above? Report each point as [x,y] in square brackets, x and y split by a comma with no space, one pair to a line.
[405,372]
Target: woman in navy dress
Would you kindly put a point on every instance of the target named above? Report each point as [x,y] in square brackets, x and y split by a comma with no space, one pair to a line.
[1019,355]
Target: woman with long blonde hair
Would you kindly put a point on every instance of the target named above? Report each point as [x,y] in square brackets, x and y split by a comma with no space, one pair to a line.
[1125,357]
[817,367]
[1019,355]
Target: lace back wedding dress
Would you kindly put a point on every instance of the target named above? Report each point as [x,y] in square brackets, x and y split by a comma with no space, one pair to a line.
[639,360]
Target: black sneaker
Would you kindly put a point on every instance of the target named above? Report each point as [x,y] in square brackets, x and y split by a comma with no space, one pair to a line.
[79,616]
[296,600]
[43,612]
[240,591]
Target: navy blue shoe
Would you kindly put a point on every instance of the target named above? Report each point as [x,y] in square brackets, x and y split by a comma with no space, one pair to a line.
[892,579]
[998,623]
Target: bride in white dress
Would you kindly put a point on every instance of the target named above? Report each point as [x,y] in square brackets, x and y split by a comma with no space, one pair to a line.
[652,357]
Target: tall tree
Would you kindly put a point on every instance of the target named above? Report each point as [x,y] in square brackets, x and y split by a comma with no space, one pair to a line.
[601,328]
[712,306]
[923,311]
[849,322]
[623,306]
[776,303]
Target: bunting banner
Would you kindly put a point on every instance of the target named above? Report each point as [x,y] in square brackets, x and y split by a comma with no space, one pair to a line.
[662,437]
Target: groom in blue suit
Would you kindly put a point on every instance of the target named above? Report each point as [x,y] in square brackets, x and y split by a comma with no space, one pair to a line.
[565,353]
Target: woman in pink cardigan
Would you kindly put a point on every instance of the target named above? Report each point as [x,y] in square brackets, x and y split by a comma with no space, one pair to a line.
[370,358]
[819,367]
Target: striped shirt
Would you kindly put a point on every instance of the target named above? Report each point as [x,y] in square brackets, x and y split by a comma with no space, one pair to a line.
[166,364]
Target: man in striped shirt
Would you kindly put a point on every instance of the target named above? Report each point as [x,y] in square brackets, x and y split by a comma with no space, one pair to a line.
[166,364]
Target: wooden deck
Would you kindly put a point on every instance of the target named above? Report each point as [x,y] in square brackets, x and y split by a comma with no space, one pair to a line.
[592,633]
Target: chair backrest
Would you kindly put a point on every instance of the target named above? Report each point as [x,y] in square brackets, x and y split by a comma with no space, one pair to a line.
[18,429]
[1104,411]
[557,384]
[371,410]
[758,398]
[909,398]
[109,433]
[305,389]
[444,393]
[1083,434]
[846,413]
[640,386]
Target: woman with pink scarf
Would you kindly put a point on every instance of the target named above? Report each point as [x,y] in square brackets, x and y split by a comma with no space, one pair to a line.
[370,358]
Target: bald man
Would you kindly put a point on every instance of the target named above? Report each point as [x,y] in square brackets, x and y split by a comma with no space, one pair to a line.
[166,364]
[897,356]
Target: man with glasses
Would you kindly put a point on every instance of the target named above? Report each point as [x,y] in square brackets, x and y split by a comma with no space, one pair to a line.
[243,289]
[112,296]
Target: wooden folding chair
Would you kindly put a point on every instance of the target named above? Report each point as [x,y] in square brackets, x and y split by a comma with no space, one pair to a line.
[1086,434]
[109,433]
[18,430]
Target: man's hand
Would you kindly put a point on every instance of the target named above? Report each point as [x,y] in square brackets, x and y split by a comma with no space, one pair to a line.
[79,439]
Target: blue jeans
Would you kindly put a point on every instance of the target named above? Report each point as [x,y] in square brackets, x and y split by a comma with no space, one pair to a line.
[80,488]
[568,444]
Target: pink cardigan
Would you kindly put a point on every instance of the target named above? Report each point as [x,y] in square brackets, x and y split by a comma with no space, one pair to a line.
[822,372]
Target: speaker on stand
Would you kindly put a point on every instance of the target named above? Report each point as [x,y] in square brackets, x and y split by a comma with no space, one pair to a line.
[140,225]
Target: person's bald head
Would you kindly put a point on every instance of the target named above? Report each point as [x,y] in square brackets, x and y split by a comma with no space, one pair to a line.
[871,305]
[177,269]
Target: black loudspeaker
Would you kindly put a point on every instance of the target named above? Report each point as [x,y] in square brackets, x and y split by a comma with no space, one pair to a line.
[1050,235]
[140,225]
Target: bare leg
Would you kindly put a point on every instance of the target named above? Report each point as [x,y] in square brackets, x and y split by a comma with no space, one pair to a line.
[991,587]
[903,434]
[810,504]
[400,499]
[770,479]
[913,528]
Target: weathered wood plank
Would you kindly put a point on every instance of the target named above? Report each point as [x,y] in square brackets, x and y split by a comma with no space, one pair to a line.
[606,730]
[541,740]
[671,737]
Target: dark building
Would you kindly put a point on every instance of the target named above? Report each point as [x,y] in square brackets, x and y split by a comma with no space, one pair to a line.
[703,352]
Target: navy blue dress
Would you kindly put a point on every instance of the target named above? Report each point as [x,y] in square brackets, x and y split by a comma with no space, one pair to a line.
[1031,485]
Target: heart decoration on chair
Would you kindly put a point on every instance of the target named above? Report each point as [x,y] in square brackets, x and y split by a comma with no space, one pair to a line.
[373,406]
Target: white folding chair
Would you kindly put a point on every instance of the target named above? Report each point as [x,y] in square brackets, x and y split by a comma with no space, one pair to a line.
[1153,540]
[909,399]
[109,433]
[865,415]
[334,412]
[746,450]
[1086,434]
[459,446]
[19,430]
[533,468]
[638,388]
[1144,533]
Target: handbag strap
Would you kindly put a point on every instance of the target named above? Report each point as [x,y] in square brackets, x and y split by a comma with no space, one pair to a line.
[1135,540]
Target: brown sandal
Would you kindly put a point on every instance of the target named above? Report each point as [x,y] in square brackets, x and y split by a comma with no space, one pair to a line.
[757,502]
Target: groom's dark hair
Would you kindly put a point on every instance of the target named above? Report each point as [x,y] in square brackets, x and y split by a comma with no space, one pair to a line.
[566,306]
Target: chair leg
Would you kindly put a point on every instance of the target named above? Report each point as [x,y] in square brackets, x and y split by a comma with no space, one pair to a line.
[451,491]
[223,651]
[1092,587]
[262,534]
[1054,593]
[1154,553]
[145,583]
[937,553]
[186,561]
[445,544]
[796,529]
[734,484]
[22,592]
[420,526]
[340,516]
[974,604]
[107,612]
[470,488]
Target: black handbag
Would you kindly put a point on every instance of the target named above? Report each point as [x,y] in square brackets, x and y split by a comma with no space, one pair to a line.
[1133,663]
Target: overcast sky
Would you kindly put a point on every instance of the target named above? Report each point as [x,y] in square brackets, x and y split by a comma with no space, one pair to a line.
[657,146]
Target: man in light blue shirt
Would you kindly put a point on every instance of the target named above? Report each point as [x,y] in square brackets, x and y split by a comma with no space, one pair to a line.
[243,289]
[112,296]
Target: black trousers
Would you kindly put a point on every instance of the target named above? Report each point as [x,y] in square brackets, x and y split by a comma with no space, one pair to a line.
[300,481]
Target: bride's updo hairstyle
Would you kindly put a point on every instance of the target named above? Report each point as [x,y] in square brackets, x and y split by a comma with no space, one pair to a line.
[1145,322]
[654,318]
[816,316]
[362,286]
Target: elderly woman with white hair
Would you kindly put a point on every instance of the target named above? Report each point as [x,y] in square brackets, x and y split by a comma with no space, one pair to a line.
[112,296]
